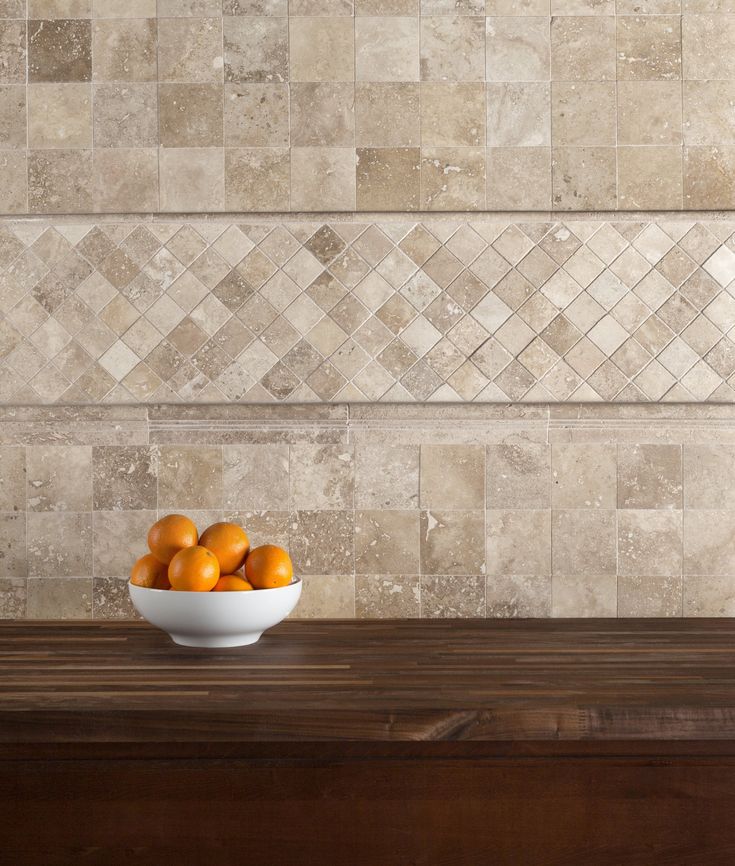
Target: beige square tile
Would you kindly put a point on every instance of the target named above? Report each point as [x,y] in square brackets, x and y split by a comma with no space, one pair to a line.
[649,476]
[60,598]
[387,49]
[13,51]
[704,121]
[58,181]
[452,476]
[13,121]
[125,114]
[256,50]
[387,597]
[708,596]
[190,477]
[323,114]
[190,49]
[517,49]
[59,544]
[583,113]
[321,49]
[12,598]
[583,476]
[519,178]
[322,542]
[649,178]
[257,178]
[190,115]
[13,477]
[14,562]
[452,48]
[387,114]
[518,596]
[452,542]
[649,112]
[111,599]
[452,178]
[124,477]
[59,478]
[709,472]
[453,597]
[583,178]
[387,476]
[583,48]
[583,596]
[649,542]
[649,47]
[518,542]
[124,49]
[452,115]
[322,178]
[705,41]
[388,178]
[255,477]
[192,179]
[125,180]
[321,477]
[583,542]
[518,115]
[327,596]
[649,596]
[708,542]
[119,539]
[518,475]
[59,115]
[256,115]
[386,542]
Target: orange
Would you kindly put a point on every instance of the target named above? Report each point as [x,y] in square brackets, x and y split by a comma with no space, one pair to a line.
[150,572]
[268,566]
[232,582]
[229,543]
[169,535]
[194,569]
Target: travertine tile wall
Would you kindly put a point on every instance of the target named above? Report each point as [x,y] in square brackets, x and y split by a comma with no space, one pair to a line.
[396,310]
[388,511]
[316,105]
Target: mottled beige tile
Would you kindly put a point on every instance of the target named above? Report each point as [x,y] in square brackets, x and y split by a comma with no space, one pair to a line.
[255,477]
[190,115]
[704,121]
[518,178]
[387,114]
[452,48]
[452,542]
[60,181]
[12,598]
[13,560]
[386,542]
[60,598]
[583,48]
[192,179]
[452,115]
[13,51]
[649,47]
[518,542]
[123,49]
[321,542]
[583,542]
[649,178]
[518,114]
[583,178]
[708,595]
[518,597]
[705,42]
[709,177]
[649,476]
[386,49]
[13,478]
[388,178]
[649,542]
[256,50]
[257,178]
[326,596]
[650,112]
[125,180]
[650,596]
[119,539]
[322,113]
[583,113]
[59,115]
[59,544]
[452,476]
[584,595]
[386,476]
[59,478]
[124,477]
[321,49]
[190,49]
[517,49]
[111,599]
[453,597]
[452,178]
[190,476]
[709,542]
[518,475]
[256,115]
[709,476]
[322,178]
[125,115]
[14,192]
[321,477]
[583,476]
[387,597]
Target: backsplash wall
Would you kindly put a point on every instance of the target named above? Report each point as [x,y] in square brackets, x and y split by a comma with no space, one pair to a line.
[377,105]
[388,511]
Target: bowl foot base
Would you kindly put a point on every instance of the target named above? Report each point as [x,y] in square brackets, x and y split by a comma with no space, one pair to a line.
[229,640]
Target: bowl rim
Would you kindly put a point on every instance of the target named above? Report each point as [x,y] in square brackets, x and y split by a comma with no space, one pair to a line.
[294,582]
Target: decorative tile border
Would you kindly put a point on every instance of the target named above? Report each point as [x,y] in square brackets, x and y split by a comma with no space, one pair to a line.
[388,511]
[395,310]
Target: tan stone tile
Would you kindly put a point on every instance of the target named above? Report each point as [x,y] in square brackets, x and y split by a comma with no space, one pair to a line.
[518,596]
[59,181]
[322,113]
[322,178]
[60,598]
[386,542]
[649,596]
[14,562]
[649,47]
[256,115]
[708,595]
[322,542]
[583,48]
[583,476]
[111,599]
[59,478]
[518,475]
[59,115]
[518,542]
[125,180]
[518,115]
[387,114]
[387,476]
[13,478]
[321,49]
[257,178]
[583,596]
[649,112]
[649,542]
[583,113]
[190,115]
[583,542]
[255,477]
[388,178]
[519,178]
[119,539]
[12,116]
[12,598]
[190,49]
[124,477]
[452,542]
[452,48]
[452,115]
[649,178]
[452,597]
[386,49]
[125,115]
[326,596]
[387,597]
[124,49]
[321,477]
[256,49]
[705,47]
[517,49]
[583,178]
[13,53]
[649,476]
[192,179]
[709,177]
[709,472]
[452,476]
[59,544]
[190,477]
[704,121]
[58,50]
[452,178]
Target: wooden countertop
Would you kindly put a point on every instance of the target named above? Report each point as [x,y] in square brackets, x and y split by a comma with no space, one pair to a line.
[540,680]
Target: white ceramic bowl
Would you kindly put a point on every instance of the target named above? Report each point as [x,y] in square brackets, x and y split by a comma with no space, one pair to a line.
[215,619]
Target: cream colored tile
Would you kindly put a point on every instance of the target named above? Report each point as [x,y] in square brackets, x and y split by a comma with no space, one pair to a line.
[518,115]
[649,178]
[517,49]
[452,48]
[583,48]
[518,178]
[321,49]
[387,49]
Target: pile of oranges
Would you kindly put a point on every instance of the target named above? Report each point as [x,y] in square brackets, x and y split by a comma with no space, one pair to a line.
[220,560]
